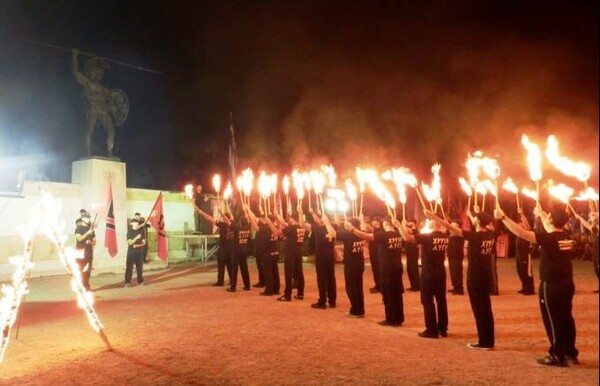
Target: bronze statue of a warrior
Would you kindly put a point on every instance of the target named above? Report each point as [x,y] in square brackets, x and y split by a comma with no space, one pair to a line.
[105,107]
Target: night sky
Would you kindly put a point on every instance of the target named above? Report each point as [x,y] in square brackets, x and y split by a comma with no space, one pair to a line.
[372,83]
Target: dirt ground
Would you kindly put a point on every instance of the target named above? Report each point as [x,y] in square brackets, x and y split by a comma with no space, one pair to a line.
[178,329]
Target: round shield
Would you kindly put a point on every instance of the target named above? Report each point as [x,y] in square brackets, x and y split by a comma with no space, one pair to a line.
[118,105]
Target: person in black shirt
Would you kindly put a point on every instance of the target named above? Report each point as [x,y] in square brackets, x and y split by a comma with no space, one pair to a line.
[136,242]
[294,233]
[556,288]
[324,262]
[267,249]
[523,258]
[433,277]
[592,227]
[85,238]
[354,266]
[225,243]
[412,259]
[239,255]
[479,273]
[456,255]
[390,258]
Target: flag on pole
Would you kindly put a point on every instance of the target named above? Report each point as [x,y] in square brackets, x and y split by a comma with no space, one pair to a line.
[157,220]
[110,235]
[232,156]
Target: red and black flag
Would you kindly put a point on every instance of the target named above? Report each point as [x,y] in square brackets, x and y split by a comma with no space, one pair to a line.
[157,220]
[110,235]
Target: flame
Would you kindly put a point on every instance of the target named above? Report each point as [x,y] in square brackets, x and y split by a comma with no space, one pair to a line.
[264,185]
[360,176]
[216,181]
[534,158]
[588,194]
[317,180]
[465,186]
[427,227]
[561,191]
[247,182]
[510,185]
[531,193]
[489,187]
[285,184]
[189,191]
[329,171]
[351,190]
[579,170]
[227,193]
[433,193]
[45,217]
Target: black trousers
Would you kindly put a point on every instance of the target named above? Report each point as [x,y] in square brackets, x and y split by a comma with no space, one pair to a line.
[326,280]
[481,304]
[271,274]
[353,276]
[260,269]
[412,268]
[223,261]
[494,276]
[134,257]
[525,272]
[455,266]
[556,305]
[433,292]
[85,267]
[392,290]
[374,259]
[293,271]
[239,262]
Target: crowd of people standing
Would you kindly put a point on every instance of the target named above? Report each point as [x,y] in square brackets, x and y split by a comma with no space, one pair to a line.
[386,239]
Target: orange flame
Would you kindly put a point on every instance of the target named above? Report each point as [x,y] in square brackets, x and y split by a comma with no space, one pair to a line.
[579,170]
[216,181]
[510,185]
[534,158]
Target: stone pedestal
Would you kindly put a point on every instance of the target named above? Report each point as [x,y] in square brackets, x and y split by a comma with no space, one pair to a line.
[93,174]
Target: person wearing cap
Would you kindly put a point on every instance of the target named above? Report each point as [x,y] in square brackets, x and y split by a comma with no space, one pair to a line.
[85,238]
[479,273]
[144,229]
[136,242]
[556,288]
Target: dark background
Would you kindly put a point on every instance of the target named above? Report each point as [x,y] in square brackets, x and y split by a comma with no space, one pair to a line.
[372,83]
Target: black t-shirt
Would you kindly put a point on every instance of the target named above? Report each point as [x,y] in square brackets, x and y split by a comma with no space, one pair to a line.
[354,246]
[131,234]
[294,239]
[434,246]
[373,246]
[87,244]
[556,258]
[390,251]
[324,244]
[411,249]
[267,243]
[241,235]
[456,245]
[481,246]
[225,237]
